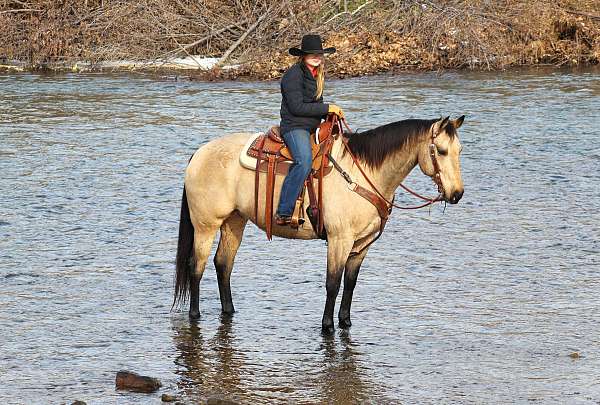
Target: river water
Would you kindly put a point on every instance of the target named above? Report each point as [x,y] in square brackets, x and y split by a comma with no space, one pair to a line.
[482,303]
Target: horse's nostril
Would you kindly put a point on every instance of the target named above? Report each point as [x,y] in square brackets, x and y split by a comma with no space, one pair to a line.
[457,196]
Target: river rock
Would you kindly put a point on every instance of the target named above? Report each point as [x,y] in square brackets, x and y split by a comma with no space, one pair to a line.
[79,403]
[168,398]
[127,380]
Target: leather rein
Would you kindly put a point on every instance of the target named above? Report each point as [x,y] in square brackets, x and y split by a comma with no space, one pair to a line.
[383,205]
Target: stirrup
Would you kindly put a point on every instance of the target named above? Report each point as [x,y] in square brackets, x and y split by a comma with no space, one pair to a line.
[283,220]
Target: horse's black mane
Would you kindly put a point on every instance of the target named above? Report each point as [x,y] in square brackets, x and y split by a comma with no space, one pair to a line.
[375,145]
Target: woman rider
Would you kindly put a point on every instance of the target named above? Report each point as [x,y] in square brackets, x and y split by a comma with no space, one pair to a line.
[302,109]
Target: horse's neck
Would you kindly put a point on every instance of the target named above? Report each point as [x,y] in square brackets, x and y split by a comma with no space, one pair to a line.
[395,169]
[392,172]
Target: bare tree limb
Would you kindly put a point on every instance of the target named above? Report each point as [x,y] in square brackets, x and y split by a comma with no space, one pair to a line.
[184,48]
[241,38]
[592,16]
[22,10]
[345,12]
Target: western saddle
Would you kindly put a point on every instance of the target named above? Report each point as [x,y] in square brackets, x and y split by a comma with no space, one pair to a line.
[273,157]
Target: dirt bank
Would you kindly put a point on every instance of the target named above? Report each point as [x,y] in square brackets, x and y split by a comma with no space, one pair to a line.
[371,35]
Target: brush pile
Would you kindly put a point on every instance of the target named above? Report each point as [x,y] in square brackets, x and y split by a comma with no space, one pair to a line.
[370,35]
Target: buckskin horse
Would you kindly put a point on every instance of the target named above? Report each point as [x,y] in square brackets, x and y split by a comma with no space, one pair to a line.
[218,194]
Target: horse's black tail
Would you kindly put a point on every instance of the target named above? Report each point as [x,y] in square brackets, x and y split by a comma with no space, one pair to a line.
[185,254]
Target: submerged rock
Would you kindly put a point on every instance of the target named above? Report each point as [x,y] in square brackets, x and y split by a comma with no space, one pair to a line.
[79,403]
[575,355]
[127,380]
[168,398]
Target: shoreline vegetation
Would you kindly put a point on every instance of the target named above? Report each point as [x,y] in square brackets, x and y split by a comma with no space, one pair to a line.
[236,39]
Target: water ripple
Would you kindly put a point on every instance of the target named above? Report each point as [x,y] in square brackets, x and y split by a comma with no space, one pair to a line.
[480,304]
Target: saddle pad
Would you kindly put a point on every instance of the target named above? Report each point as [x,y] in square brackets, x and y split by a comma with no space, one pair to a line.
[249,162]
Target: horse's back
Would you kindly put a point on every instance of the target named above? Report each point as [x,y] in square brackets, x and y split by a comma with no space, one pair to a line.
[218,154]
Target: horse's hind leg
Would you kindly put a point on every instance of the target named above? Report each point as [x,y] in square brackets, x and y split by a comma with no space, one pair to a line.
[203,240]
[350,277]
[231,237]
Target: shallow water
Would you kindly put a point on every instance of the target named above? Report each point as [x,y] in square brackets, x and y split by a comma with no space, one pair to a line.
[482,303]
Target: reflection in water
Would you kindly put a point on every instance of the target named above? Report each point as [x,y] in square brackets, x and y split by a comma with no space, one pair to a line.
[342,380]
[215,366]
[207,367]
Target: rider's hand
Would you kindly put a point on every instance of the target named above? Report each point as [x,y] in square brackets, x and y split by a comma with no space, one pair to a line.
[336,110]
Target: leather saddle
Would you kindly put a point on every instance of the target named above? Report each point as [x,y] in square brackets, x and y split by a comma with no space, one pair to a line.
[272,144]
[273,157]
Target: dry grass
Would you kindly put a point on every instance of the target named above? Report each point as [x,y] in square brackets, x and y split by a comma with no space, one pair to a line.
[371,35]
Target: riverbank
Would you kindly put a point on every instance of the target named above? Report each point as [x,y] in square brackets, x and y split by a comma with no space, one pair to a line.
[241,41]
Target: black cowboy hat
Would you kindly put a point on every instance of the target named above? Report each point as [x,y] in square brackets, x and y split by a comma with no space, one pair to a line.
[311,44]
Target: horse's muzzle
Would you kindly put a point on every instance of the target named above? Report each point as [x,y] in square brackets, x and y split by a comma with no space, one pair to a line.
[456,197]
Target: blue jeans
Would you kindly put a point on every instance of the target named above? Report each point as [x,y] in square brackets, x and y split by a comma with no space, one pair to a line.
[298,142]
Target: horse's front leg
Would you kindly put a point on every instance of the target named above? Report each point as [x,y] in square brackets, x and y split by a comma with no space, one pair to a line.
[350,277]
[337,255]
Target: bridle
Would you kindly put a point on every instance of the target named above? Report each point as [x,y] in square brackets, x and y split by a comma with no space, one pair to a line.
[437,171]
[436,177]
[383,205]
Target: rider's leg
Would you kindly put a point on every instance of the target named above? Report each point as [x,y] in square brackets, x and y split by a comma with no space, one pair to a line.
[298,142]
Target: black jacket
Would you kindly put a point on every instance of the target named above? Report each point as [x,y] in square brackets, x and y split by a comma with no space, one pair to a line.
[299,108]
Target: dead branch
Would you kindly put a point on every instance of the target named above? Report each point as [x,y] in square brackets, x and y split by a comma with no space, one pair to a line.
[241,38]
[21,10]
[200,41]
[592,16]
[346,12]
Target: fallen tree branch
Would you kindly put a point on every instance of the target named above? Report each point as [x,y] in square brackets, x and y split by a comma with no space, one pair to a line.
[20,2]
[22,10]
[347,12]
[187,53]
[201,40]
[241,39]
[592,16]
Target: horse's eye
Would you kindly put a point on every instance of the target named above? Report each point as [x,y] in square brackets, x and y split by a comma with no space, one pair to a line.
[442,152]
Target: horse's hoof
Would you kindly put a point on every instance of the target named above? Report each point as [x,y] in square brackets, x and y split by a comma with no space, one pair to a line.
[327,330]
[345,323]
[194,315]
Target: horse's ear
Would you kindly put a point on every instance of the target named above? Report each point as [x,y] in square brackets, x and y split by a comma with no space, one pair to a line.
[458,122]
[440,124]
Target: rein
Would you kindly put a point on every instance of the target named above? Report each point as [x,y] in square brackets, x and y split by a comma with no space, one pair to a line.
[383,205]
[428,200]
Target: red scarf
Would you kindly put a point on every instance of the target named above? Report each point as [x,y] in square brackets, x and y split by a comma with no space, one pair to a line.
[312,70]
